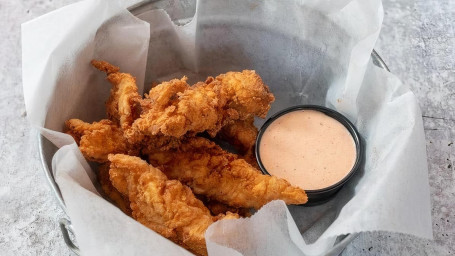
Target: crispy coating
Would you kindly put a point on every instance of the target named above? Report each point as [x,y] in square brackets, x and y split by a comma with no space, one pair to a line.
[99,139]
[153,105]
[250,157]
[163,125]
[159,142]
[174,109]
[196,109]
[123,105]
[227,216]
[118,199]
[221,176]
[77,128]
[166,206]
[247,93]
[241,134]
[164,94]
[220,209]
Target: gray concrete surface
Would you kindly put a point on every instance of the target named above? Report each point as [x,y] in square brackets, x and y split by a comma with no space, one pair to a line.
[417,42]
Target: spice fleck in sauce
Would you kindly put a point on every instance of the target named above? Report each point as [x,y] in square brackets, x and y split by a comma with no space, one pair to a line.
[307,148]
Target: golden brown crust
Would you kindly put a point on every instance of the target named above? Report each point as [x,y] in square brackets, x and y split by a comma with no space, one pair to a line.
[250,157]
[189,109]
[218,209]
[219,175]
[99,139]
[174,108]
[118,199]
[123,105]
[241,134]
[76,128]
[166,206]
[247,93]
[164,124]
[105,66]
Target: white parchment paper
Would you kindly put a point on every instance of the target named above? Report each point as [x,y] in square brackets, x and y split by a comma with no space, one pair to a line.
[308,52]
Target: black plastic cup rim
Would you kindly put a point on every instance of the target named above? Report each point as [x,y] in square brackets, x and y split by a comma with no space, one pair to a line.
[323,194]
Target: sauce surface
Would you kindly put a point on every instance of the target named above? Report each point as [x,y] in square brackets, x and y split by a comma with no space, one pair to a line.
[307,148]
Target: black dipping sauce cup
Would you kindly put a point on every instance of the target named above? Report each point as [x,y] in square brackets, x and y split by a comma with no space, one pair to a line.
[322,195]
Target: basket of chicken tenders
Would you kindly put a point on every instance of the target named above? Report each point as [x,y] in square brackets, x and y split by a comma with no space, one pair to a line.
[223,127]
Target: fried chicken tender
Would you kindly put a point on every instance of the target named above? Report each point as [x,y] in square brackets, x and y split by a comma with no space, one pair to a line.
[118,199]
[123,105]
[224,211]
[99,139]
[176,109]
[155,103]
[196,109]
[165,94]
[227,216]
[250,157]
[220,209]
[246,92]
[241,134]
[209,170]
[204,107]
[166,206]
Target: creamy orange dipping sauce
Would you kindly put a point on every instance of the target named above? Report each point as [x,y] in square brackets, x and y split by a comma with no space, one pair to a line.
[307,148]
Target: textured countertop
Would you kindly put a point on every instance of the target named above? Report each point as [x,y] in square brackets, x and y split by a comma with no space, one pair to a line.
[417,42]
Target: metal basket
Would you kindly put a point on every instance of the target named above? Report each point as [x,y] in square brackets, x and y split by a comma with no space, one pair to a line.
[47,149]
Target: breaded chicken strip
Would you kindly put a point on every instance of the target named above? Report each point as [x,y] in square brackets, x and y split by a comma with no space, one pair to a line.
[241,134]
[99,139]
[246,92]
[165,94]
[176,109]
[166,206]
[250,157]
[205,106]
[155,103]
[221,176]
[220,209]
[197,109]
[118,199]
[123,105]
